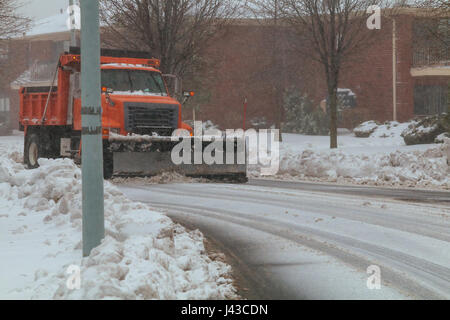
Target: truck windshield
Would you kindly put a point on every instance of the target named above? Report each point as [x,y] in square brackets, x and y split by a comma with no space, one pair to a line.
[127,80]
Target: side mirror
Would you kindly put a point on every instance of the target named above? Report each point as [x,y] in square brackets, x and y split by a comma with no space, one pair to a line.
[107,90]
[187,95]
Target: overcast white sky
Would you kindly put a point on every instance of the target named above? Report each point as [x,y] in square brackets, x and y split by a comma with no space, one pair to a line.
[39,9]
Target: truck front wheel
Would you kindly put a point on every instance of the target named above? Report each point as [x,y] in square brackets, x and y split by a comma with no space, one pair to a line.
[32,151]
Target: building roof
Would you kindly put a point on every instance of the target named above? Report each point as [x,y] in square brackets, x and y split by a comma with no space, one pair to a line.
[51,28]
[56,27]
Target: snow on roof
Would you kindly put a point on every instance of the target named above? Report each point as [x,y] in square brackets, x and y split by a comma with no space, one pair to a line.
[53,24]
[347,91]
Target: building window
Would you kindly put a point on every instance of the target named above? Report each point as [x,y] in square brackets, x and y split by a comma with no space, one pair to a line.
[3,50]
[429,100]
[4,104]
[431,41]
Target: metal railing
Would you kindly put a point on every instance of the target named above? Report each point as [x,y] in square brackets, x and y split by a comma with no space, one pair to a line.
[432,56]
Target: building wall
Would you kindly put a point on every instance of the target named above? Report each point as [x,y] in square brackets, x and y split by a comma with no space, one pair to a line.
[247,51]
[405,82]
[17,64]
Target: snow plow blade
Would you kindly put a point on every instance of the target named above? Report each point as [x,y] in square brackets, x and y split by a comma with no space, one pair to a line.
[153,156]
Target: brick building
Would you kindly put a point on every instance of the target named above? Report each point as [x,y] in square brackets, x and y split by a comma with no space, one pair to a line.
[400,75]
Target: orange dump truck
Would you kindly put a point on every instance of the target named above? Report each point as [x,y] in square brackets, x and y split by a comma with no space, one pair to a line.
[138,118]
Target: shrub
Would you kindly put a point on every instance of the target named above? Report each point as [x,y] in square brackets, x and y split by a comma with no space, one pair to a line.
[302,116]
[426,130]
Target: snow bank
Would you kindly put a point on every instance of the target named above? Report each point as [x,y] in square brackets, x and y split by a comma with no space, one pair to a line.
[144,255]
[417,168]
[373,161]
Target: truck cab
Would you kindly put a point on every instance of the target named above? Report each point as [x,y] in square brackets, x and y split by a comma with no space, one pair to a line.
[135,100]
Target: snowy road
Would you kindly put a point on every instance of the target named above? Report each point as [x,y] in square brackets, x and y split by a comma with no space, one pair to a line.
[293,240]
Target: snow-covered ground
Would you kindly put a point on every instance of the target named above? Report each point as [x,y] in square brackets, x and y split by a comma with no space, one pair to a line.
[301,243]
[381,159]
[144,255]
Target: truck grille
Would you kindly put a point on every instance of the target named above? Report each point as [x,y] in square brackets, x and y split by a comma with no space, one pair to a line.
[146,118]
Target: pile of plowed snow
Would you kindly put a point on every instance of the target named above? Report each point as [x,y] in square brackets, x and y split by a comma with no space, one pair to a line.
[144,255]
[372,161]
[415,168]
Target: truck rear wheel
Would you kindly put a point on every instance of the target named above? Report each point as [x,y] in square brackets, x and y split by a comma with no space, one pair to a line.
[108,165]
[32,151]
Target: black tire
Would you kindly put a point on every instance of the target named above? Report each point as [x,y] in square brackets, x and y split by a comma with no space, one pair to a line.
[32,151]
[108,165]
[49,143]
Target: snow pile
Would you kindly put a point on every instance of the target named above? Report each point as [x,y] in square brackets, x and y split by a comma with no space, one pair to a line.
[207,126]
[374,161]
[441,138]
[415,168]
[365,129]
[391,130]
[144,255]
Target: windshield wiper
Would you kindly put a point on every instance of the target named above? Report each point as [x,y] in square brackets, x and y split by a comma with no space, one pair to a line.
[131,82]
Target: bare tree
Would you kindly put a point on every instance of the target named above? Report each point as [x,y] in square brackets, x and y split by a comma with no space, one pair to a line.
[269,14]
[438,14]
[439,6]
[11,23]
[331,31]
[173,30]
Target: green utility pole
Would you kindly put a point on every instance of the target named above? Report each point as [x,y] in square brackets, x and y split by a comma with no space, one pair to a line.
[92,144]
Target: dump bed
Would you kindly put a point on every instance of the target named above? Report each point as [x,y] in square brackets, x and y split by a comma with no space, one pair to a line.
[32,106]
[34,99]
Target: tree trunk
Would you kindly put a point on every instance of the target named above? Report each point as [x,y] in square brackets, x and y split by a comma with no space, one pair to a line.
[332,93]
[279,119]
[447,118]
